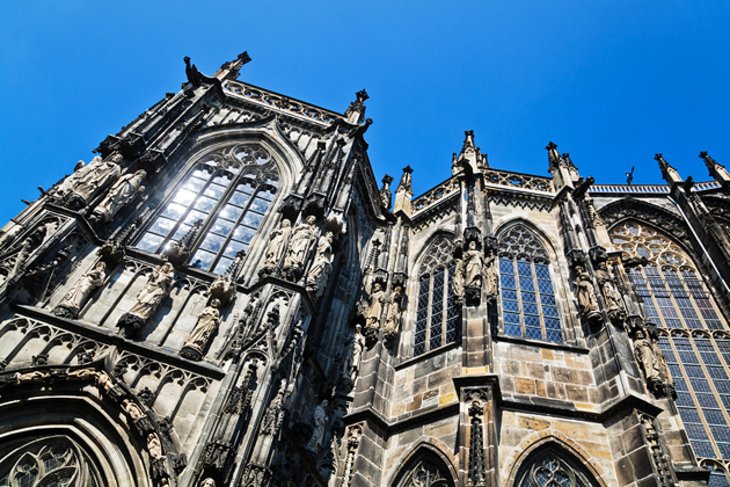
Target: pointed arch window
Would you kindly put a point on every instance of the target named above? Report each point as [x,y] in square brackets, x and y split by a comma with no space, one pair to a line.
[673,294]
[529,307]
[437,314]
[228,194]
[425,470]
[551,466]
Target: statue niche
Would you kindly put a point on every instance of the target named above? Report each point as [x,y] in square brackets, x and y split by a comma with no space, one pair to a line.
[88,181]
[276,248]
[158,286]
[302,239]
[120,195]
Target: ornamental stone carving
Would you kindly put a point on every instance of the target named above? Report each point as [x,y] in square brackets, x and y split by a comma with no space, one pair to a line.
[321,266]
[393,314]
[276,248]
[90,180]
[473,273]
[207,325]
[120,195]
[148,300]
[351,367]
[302,239]
[586,294]
[319,424]
[77,296]
[646,358]
[374,309]
[614,302]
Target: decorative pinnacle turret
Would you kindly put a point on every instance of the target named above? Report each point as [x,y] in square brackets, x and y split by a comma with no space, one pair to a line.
[385,196]
[668,172]
[233,68]
[553,155]
[716,169]
[406,180]
[470,156]
[355,113]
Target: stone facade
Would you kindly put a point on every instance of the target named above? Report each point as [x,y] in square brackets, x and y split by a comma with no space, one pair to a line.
[224,296]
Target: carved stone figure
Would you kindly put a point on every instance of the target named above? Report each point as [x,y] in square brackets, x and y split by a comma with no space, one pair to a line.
[301,241]
[82,374]
[614,301]
[352,366]
[120,195]
[154,447]
[661,361]
[132,410]
[92,179]
[149,298]
[457,283]
[207,482]
[393,314]
[644,354]
[319,423]
[33,376]
[473,266]
[207,324]
[104,382]
[586,293]
[276,247]
[76,297]
[375,307]
[322,265]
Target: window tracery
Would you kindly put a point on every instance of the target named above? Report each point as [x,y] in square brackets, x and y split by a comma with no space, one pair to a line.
[527,295]
[549,468]
[229,192]
[437,314]
[673,294]
[426,471]
[50,461]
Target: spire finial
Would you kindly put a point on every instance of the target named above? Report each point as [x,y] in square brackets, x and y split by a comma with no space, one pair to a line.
[355,113]
[717,170]
[553,154]
[668,172]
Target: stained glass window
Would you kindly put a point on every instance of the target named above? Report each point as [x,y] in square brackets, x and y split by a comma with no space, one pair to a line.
[227,194]
[438,315]
[529,307]
[698,353]
[426,471]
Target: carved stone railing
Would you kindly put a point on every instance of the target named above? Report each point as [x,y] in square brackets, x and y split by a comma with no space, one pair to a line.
[518,181]
[431,196]
[267,98]
[648,188]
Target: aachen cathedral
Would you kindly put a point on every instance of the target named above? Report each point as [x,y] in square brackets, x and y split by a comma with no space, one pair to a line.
[225,296]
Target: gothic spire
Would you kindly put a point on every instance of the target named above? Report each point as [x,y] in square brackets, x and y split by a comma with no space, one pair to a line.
[470,155]
[355,113]
[716,169]
[404,192]
[554,158]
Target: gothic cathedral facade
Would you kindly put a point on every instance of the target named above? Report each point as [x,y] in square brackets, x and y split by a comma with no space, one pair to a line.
[225,296]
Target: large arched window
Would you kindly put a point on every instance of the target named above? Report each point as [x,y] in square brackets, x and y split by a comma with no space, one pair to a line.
[529,308]
[673,294]
[424,470]
[694,343]
[437,313]
[550,466]
[228,194]
[51,460]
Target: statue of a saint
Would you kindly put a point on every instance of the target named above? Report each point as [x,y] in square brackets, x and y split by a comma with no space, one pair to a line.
[322,265]
[301,241]
[375,307]
[473,266]
[319,423]
[457,282]
[358,347]
[207,324]
[120,195]
[585,292]
[393,314]
[644,354]
[148,299]
[207,482]
[614,301]
[492,278]
[76,297]
[661,360]
[277,247]
[92,179]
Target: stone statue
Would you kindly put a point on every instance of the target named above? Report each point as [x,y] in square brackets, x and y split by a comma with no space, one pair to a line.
[132,410]
[82,374]
[585,292]
[104,382]
[277,247]
[614,302]
[319,423]
[76,297]
[661,361]
[92,179]
[68,182]
[301,240]
[358,347]
[154,447]
[375,307]
[473,266]
[207,324]
[148,299]
[207,482]
[457,282]
[644,354]
[322,265]
[120,195]
[393,314]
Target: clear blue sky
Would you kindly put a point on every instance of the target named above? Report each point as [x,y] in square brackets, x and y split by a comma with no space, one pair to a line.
[611,82]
